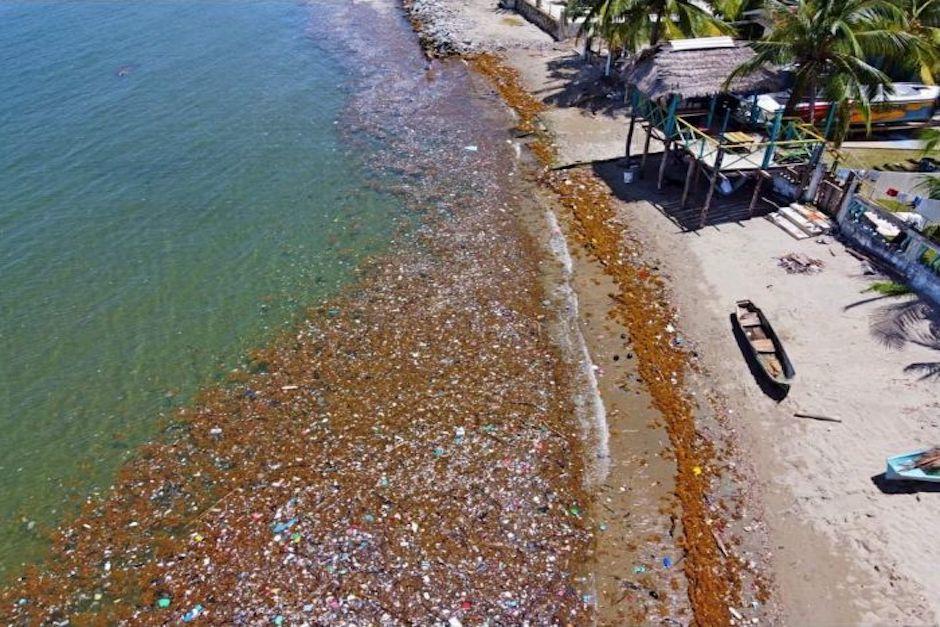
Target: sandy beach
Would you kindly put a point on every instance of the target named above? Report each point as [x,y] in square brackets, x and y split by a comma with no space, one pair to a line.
[533,410]
[841,545]
[849,547]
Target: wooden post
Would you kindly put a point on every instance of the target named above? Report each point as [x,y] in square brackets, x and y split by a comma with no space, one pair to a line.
[646,146]
[688,181]
[772,144]
[671,116]
[760,183]
[724,125]
[754,109]
[630,132]
[711,112]
[662,163]
[711,188]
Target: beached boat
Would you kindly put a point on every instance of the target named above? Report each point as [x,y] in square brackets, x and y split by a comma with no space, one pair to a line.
[765,347]
[909,103]
[905,468]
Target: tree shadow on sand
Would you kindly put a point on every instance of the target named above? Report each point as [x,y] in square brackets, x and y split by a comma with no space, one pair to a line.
[909,320]
[584,87]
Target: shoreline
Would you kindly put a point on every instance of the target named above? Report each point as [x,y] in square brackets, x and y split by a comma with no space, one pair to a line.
[716,581]
[801,516]
[406,455]
[523,413]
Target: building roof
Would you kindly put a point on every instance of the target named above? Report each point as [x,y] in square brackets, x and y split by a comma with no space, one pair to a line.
[693,68]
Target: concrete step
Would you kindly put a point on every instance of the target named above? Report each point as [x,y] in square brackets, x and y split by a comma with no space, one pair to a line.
[787,226]
[797,219]
[813,215]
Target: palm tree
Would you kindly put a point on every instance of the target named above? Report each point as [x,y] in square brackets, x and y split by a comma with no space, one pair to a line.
[827,44]
[734,13]
[733,10]
[923,22]
[634,23]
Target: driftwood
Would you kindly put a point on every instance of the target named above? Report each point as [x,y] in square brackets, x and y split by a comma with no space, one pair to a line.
[721,545]
[822,418]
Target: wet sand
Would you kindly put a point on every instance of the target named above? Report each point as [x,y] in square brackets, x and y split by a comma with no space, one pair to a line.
[808,531]
[700,519]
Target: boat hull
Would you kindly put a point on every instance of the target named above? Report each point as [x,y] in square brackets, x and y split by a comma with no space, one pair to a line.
[898,469]
[910,104]
[764,346]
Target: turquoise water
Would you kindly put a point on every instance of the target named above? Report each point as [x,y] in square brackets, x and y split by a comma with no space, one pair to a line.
[172,192]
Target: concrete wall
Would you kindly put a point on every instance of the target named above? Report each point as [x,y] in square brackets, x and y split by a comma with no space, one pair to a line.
[559,29]
[906,257]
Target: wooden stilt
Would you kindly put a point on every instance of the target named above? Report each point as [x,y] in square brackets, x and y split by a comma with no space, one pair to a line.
[688,182]
[630,133]
[711,188]
[662,164]
[760,183]
[646,147]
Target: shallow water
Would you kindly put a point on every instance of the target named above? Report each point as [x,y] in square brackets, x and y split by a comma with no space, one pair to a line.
[171,194]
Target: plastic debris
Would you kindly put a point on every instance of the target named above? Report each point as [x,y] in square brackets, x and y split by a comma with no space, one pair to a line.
[163,602]
[435,349]
[193,614]
[284,526]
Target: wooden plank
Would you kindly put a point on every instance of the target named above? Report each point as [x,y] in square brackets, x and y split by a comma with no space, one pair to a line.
[764,346]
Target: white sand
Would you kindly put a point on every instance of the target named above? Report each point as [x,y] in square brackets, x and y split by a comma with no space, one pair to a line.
[816,472]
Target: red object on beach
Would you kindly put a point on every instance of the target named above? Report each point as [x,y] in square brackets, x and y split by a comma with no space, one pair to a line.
[891,192]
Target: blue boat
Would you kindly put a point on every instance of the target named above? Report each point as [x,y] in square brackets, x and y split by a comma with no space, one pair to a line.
[903,468]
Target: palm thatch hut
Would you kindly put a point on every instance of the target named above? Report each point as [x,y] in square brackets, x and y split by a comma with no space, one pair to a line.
[697,68]
[681,91]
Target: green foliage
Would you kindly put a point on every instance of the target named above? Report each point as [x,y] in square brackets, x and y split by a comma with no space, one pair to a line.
[829,42]
[893,205]
[631,24]
[922,21]
[932,232]
[930,185]
[888,288]
[931,138]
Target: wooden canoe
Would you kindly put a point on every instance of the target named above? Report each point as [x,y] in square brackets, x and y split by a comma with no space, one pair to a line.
[765,347]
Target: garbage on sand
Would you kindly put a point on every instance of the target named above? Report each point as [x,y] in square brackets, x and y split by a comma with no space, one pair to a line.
[798,263]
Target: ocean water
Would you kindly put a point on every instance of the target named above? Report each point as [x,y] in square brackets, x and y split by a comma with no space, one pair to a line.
[173,191]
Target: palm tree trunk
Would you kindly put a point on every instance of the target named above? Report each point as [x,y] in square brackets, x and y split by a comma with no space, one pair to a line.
[796,95]
[657,26]
[812,103]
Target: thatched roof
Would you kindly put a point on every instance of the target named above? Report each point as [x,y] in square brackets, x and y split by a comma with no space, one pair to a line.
[695,68]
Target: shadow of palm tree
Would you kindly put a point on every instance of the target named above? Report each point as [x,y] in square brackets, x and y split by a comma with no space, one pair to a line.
[584,87]
[910,321]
